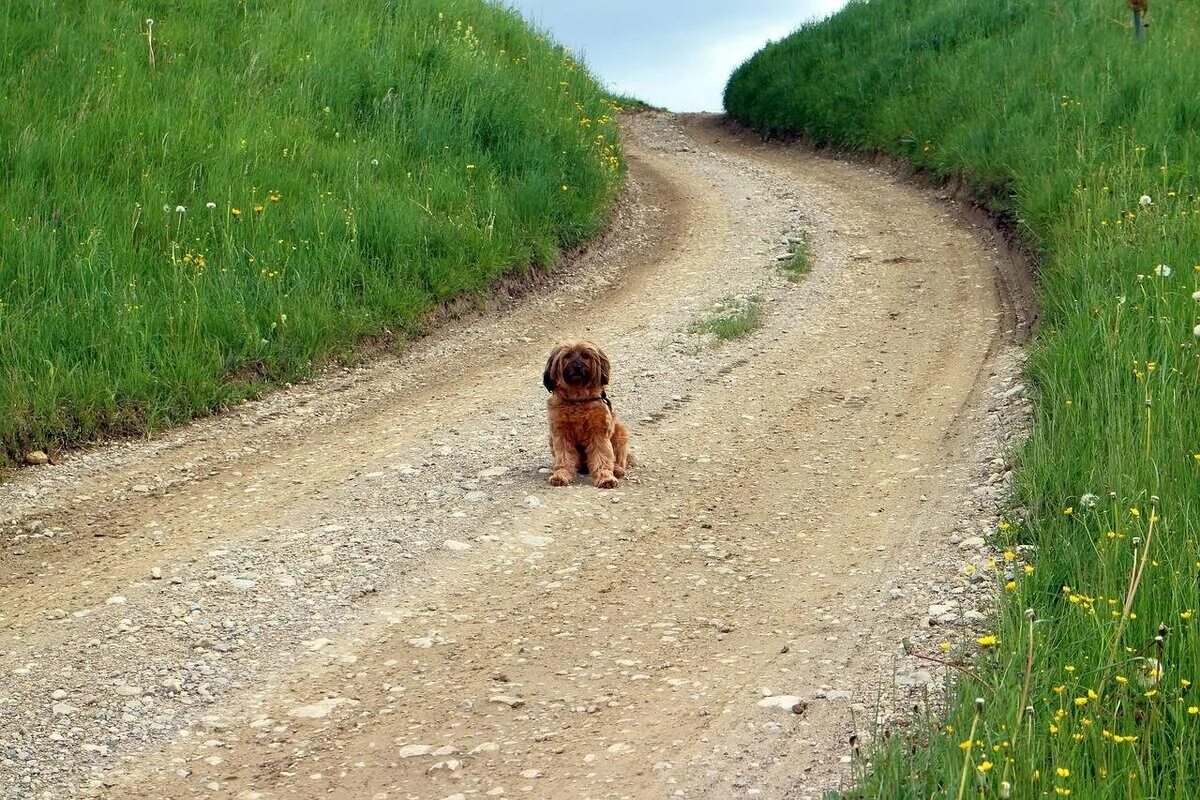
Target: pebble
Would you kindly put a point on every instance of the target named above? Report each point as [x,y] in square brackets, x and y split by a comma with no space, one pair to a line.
[531,773]
[455,545]
[784,701]
[319,709]
[506,700]
[58,694]
[413,750]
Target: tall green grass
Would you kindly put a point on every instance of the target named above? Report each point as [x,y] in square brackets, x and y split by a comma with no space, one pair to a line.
[1062,124]
[197,199]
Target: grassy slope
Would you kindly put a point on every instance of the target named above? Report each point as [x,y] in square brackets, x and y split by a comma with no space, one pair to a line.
[1058,120]
[366,159]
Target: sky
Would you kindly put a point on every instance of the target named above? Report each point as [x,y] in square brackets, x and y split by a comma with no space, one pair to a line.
[671,53]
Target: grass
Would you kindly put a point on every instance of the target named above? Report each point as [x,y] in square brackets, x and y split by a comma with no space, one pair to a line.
[732,318]
[198,201]
[1087,144]
[798,265]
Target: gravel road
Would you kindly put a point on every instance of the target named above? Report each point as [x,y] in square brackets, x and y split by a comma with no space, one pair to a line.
[363,587]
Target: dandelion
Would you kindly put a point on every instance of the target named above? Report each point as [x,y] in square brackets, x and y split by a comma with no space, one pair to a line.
[1196,296]
[1150,672]
[988,641]
[210,205]
[180,209]
[1194,710]
[985,766]
[1145,201]
[236,213]
[1089,500]
[470,167]
[1196,331]
[1162,271]
[258,209]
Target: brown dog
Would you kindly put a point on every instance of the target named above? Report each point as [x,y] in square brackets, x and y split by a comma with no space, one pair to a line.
[585,434]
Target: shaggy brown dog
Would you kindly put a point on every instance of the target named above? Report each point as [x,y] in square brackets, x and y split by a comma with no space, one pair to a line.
[584,432]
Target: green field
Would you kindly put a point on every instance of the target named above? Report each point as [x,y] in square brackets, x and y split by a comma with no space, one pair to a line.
[198,200]
[1087,144]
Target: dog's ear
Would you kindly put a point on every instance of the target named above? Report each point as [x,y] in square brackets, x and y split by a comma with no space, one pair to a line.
[550,373]
[605,367]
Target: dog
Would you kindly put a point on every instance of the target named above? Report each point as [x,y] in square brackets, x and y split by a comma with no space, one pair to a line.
[585,434]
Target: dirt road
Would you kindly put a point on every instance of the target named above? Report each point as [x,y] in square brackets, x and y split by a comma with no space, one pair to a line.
[363,587]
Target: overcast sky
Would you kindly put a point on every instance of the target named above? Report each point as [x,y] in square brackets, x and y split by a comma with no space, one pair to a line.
[672,53]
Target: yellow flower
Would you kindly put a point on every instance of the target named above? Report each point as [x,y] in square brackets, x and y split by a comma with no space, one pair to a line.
[1061,791]
[988,641]
[1011,586]
[237,212]
[1062,772]
[1121,679]
[945,647]
[985,766]
[1193,710]
[470,167]
[964,745]
[1069,510]
[1185,614]
[1009,555]
[1029,569]
[1081,701]
[258,209]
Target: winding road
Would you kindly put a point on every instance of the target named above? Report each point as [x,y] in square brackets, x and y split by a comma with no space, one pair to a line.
[363,587]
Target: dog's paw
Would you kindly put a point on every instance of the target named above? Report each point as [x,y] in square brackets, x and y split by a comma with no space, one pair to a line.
[618,472]
[561,479]
[606,482]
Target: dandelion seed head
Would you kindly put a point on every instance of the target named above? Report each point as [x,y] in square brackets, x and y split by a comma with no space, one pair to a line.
[180,209]
[1162,271]
[210,205]
[1145,200]
[1089,500]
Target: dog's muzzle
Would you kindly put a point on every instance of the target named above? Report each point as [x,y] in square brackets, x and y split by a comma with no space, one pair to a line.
[576,372]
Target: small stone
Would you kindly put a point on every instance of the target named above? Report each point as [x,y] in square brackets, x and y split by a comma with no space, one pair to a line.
[837,694]
[115,600]
[531,773]
[58,694]
[37,458]
[492,472]
[445,750]
[486,747]
[452,765]
[532,501]
[507,700]
[128,691]
[319,709]
[413,750]
[455,545]
[784,701]
[619,749]
[156,573]
[63,709]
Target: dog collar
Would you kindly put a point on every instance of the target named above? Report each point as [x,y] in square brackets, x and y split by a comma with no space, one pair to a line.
[603,398]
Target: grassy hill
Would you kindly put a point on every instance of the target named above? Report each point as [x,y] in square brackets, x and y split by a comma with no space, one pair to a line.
[199,199]
[1058,120]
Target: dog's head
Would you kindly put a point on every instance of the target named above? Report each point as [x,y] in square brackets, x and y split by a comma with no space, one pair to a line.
[576,368]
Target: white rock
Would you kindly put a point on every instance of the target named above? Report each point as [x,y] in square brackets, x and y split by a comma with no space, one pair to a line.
[533,501]
[486,747]
[784,701]
[156,573]
[531,773]
[414,750]
[619,749]
[451,765]
[58,694]
[63,709]
[507,700]
[492,472]
[319,709]
[455,545]
[115,600]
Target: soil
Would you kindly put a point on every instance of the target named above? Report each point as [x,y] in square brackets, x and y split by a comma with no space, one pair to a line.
[364,587]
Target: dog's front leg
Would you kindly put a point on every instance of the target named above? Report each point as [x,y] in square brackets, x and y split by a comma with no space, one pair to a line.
[600,461]
[566,461]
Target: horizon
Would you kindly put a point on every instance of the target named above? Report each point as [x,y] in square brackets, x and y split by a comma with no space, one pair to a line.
[681,55]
